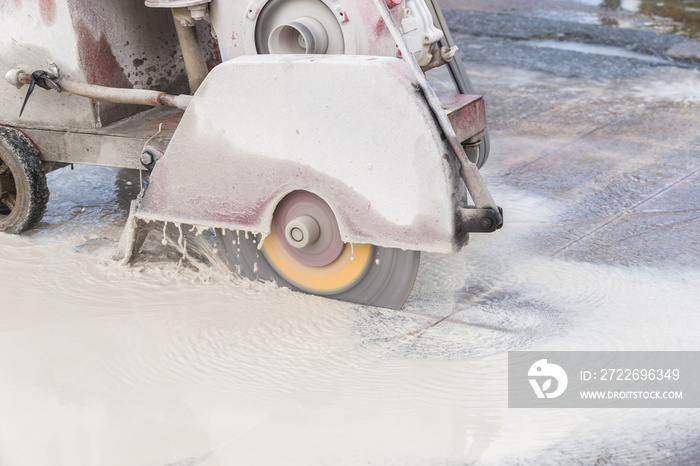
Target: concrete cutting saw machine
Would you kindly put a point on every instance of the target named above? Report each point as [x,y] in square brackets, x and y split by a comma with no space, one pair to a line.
[308,134]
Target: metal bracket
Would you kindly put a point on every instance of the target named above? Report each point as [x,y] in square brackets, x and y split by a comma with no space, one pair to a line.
[486,207]
[474,220]
[457,69]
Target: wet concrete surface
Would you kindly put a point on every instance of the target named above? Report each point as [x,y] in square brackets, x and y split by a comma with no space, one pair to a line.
[613,52]
[626,154]
[596,162]
[671,16]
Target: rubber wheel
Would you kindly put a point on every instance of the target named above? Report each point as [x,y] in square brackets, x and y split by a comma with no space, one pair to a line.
[23,190]
[484,150]
[359,273]
[480,155]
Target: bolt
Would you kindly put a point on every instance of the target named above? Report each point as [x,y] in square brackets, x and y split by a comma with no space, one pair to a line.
[486,223]
[146,158]
[302,231]
[297,234]
[198,12]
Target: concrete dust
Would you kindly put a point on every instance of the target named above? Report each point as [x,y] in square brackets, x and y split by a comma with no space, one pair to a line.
[672,88]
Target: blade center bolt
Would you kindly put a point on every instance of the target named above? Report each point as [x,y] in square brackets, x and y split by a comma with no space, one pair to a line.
[302,231]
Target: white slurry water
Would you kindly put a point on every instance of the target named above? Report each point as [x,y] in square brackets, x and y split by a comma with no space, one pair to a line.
[669,87]
[166,364]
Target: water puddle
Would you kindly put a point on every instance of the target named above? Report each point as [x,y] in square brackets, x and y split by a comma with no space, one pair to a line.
[673,16]
[605,50]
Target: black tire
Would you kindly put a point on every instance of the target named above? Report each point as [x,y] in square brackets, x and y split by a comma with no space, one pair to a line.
[23,190]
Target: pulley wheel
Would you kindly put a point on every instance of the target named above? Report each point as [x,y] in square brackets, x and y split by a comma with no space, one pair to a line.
[298,27]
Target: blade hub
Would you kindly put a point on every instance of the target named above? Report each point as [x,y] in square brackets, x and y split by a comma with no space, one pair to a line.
[307,229]
[302,231]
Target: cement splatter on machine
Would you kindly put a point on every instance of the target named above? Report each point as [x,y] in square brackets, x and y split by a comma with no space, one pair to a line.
[317,149]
